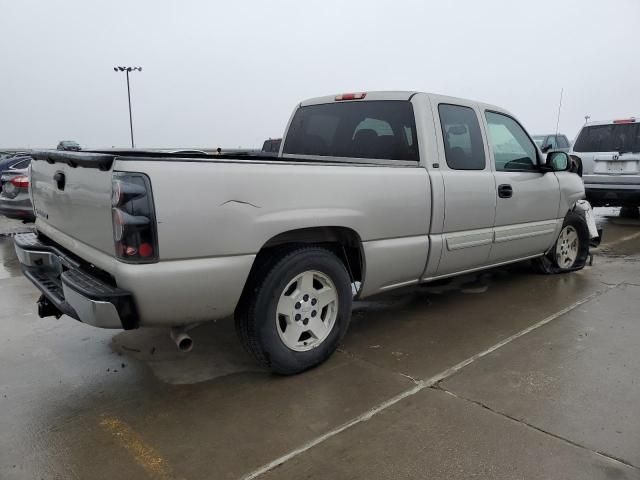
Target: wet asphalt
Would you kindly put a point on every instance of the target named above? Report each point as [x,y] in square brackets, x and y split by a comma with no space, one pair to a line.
[506,374]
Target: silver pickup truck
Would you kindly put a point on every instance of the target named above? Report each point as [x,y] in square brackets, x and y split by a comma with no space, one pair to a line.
[369,192]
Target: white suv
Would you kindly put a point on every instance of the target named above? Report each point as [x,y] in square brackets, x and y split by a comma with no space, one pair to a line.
[608,156]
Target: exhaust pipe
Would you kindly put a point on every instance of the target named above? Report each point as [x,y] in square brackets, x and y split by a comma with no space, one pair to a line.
[182,339]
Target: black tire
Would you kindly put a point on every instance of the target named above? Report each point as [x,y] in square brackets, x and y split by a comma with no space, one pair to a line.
[255,316]
[548,264]
[630,212]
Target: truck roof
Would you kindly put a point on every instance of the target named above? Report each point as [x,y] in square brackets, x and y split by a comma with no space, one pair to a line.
[398,95]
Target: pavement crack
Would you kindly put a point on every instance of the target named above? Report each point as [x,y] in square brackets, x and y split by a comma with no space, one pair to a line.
[438,386]
[418,386]
[414,380]
[373,364]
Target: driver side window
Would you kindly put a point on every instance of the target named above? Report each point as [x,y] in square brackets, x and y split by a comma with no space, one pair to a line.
[512,148]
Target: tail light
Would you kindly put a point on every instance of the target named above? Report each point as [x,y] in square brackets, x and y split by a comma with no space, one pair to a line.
[20,182]
[10,186]
[134,220]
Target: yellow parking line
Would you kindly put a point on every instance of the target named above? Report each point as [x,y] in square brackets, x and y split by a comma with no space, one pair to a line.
[155,466]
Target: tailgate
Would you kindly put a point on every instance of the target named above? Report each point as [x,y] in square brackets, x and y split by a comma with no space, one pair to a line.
[72,194]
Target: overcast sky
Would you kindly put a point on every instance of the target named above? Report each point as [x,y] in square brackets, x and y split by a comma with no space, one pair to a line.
[229,73]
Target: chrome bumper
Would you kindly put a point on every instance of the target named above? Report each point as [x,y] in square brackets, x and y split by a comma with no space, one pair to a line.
[68,289]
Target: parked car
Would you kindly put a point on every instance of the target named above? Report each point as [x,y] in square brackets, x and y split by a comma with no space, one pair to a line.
[608,153]
[69,145]
[552,141]
[272,145]
[377,189]
[14,160]
[15,201]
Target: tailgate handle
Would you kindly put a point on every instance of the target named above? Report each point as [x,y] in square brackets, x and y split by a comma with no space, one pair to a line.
[60,180]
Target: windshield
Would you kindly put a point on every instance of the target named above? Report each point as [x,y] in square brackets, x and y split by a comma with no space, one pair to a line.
[609,138]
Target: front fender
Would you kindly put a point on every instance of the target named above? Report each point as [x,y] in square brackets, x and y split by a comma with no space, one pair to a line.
[571,190]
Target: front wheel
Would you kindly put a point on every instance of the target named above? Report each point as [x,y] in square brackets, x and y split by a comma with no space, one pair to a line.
[630,212]
[295,310]
[571,249]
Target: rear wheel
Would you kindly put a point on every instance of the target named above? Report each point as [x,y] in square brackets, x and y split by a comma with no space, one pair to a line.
[571,249]
[296,310]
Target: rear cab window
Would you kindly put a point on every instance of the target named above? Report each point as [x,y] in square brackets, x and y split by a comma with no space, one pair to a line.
[622,137]
[377,129]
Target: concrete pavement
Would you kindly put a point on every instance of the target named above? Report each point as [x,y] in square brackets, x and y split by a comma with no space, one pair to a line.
[502,375]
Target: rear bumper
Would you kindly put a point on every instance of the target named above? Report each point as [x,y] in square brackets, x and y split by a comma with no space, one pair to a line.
[69,288]
[613,195]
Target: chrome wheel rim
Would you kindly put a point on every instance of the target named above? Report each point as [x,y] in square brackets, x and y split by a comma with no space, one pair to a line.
[567,247]
[307,310]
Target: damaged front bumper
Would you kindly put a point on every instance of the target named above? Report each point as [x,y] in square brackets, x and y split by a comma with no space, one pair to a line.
[595,233]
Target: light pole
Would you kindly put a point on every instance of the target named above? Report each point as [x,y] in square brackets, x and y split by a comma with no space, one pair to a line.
[127,70]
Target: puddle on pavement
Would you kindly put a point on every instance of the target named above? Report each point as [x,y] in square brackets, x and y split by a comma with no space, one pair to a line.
[216,353]
[9,265]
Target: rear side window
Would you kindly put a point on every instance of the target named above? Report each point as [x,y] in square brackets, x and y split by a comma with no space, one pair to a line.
[463,146]
[609,138]
[382,129]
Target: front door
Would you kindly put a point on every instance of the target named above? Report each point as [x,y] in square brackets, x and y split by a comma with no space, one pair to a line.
[528,200]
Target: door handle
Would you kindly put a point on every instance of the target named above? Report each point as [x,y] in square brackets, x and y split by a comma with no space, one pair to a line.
[505,191]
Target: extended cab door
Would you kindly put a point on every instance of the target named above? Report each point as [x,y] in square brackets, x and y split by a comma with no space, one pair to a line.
[469,187]
[527,200]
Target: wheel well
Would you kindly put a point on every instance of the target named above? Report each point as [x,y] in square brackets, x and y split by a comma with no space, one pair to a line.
[344,242]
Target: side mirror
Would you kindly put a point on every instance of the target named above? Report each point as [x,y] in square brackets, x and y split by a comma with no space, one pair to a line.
[557,162]
[545,148]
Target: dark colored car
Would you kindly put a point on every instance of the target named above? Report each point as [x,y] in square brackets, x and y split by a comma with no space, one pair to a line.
[271,145]
[15,201]
[69,145]
[10,160]
[552,141]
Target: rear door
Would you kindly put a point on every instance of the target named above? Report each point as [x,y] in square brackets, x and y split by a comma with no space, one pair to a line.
[527,200]
[469,188]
